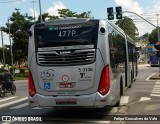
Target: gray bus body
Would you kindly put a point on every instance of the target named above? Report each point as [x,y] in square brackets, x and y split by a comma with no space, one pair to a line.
[80,63]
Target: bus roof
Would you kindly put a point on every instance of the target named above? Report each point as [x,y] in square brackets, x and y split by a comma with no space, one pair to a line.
[67,21]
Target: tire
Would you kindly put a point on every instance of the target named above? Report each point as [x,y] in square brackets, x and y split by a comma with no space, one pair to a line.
[131,81]
[121,93]
[121,87]
[13,89]
[2,93]
[117,104]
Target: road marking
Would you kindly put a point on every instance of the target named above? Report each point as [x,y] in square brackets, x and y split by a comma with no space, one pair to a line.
[156,89]
[6,122]
[36,108]
[155,94]
[144,98]
[157,85]
[124,100]
[13,102]
[19,106]
[100,122]
[5,99]
[149,76]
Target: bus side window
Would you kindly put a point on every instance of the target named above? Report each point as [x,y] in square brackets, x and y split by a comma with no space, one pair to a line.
[112,60]
[112,53]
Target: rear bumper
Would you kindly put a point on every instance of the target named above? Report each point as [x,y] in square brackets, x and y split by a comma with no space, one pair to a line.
[92,100]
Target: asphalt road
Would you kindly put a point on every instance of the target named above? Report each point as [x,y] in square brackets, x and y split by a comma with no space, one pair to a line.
[140,100]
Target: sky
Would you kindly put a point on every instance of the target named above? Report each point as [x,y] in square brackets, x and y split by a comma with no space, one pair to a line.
[148,9]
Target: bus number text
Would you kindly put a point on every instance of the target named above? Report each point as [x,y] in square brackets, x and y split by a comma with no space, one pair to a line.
[68,33]
[85,69]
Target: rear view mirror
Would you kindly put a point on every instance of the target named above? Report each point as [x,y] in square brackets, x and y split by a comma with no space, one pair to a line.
[30,33]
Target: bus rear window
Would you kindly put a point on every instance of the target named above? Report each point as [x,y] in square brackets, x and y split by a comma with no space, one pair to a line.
[66,35]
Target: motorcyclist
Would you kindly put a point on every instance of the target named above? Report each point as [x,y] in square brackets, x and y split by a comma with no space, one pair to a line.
[7,78]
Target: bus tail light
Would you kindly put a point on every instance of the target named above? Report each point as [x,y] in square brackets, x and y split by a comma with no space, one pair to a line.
[104,85]
[32,90]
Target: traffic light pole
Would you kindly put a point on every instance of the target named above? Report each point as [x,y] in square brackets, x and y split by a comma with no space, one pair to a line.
[11,47]
[140,17]
[152,25]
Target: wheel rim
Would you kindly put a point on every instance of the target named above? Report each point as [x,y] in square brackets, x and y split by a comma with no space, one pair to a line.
[2,94]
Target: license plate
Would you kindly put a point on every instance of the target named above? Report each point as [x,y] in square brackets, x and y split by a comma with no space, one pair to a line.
[66,85]
[66,101]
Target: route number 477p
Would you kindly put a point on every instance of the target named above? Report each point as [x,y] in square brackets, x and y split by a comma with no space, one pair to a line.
[68,33]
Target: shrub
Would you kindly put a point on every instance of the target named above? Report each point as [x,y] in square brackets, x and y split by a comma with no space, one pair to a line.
[21,75]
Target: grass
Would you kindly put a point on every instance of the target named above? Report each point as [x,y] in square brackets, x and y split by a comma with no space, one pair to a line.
[20,78]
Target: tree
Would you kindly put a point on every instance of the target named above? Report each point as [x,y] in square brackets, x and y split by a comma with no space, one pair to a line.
[128,26]
[46,16]
[145,37]
[63,13]
[7,55]
[1,56]
[19,26]
[153,37]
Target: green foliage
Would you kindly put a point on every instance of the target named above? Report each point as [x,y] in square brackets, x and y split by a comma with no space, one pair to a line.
[128,26]
[7,55]
[153,38]
[23,71]
[146,38]
[46,16]
[146,35]
[1,69]
[68,13]
[63,13]
[1,55]
[19,27]
[21,76]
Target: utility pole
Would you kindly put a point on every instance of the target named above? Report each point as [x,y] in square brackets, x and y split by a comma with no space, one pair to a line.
[33,9]
[40,11]
[3,49]
[10,47]
[157,28]
[158,41]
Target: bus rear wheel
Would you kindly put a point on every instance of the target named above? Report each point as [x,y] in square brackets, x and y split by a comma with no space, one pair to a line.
[120,94]
[121,87]
[131,80]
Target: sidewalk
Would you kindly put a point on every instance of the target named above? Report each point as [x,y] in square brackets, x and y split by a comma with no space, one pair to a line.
[155,77]
[143,64]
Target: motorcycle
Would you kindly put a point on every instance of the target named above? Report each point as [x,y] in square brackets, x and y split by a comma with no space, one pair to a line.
[7,88]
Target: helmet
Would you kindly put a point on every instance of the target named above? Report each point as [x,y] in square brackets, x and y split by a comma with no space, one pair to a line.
[5,69]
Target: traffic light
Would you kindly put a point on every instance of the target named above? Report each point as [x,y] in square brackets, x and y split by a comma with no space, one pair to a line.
[118,12]
[110,13]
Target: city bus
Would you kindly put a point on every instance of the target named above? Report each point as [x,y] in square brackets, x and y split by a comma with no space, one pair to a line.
[153,59]
[79,63]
